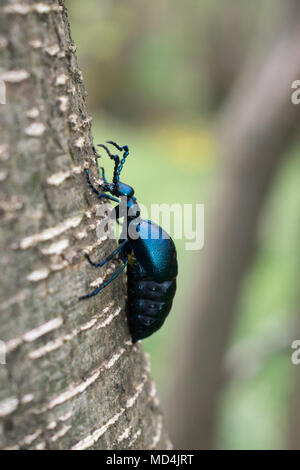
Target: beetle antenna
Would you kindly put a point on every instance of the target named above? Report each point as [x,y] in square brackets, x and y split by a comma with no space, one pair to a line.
[125,151]
[115,145]
[117,162]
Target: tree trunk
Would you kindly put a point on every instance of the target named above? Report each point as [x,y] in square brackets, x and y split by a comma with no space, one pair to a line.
[259,125]
[72,378]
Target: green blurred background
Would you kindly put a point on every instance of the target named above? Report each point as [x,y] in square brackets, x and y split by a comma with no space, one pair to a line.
[157,74]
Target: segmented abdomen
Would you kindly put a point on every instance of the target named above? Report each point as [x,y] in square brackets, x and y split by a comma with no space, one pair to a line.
[149,302]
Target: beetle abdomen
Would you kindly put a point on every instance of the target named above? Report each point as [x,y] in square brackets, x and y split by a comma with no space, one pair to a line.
[149,301]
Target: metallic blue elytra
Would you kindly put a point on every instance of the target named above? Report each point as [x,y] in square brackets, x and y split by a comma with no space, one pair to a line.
[148,252]
[155,251]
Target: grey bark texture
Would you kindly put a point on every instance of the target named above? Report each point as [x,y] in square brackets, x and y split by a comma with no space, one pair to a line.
[72,378]
[258,126]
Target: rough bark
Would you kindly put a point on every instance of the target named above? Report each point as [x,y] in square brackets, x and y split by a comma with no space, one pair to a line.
[259,124]
[72,378]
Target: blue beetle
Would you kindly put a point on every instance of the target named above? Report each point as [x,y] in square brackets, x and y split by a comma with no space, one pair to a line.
[150,257]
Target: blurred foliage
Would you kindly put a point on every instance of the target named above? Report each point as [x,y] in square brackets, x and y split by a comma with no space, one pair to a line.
[143,60]
[157,73]
[257,410]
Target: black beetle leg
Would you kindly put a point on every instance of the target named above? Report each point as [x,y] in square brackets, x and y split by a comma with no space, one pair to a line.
[100,195]
[104,284]
[103,175]
[99,265]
